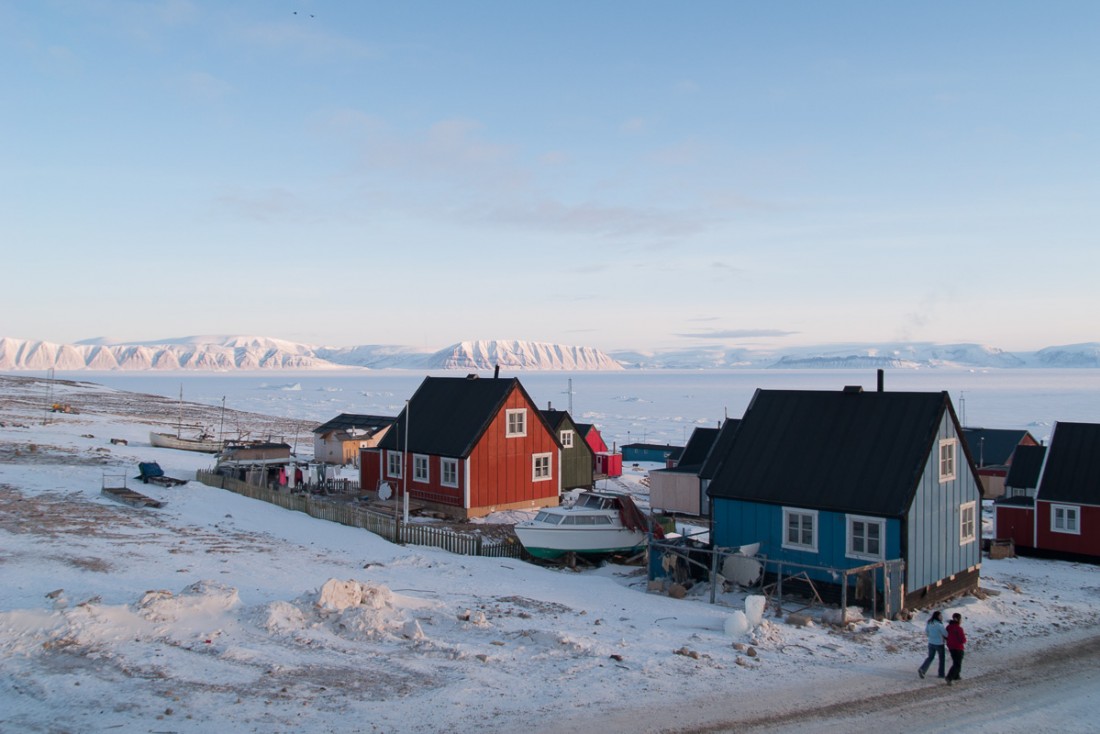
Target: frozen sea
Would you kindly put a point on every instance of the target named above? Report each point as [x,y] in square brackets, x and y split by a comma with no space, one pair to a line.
[655,406]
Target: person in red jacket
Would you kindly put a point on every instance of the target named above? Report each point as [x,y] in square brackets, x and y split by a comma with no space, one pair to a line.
[956,645]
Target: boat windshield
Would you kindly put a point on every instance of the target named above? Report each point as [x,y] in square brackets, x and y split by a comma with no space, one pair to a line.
[548,518]
[595,502]
[587,520]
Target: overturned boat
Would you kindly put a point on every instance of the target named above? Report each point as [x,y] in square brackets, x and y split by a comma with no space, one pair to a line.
[599,523]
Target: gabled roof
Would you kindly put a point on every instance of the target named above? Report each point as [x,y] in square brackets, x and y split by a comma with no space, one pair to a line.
[698,446]
[447,415]
[844,451]
[1072,471]
[348,421]
[720,448]
[1027,465]
[993,446]
[554,418]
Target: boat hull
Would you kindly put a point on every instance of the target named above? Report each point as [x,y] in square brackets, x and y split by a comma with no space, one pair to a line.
[554,542]
[168,441]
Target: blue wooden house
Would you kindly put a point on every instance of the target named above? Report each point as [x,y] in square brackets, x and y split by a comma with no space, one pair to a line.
[830,481]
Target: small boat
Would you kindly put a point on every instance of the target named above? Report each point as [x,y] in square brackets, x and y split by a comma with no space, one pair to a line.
[203,442]
[599,523]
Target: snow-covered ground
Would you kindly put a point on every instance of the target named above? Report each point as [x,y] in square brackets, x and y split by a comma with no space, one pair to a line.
[217,612]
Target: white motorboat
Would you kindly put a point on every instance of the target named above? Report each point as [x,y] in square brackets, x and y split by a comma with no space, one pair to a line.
[598,523]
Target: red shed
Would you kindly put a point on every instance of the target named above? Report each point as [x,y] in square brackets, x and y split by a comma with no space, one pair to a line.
[469,446]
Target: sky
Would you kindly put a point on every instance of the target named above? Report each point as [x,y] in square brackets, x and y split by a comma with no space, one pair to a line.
[620,175]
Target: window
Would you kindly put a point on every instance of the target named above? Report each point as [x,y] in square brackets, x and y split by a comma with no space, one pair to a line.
[393,463]
[865,537]
[967,524]
[517,422]
[420,468]
[448,468]
[567,439]
[800,529]
[540,467]
[947,459]
[1063,519]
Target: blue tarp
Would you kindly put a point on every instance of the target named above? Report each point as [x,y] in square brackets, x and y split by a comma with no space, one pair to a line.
[149,469]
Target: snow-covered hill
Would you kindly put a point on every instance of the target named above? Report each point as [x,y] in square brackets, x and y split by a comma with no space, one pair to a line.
[227,353]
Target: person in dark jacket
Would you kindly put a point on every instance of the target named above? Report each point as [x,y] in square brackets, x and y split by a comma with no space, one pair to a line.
[936,636]
[956,645]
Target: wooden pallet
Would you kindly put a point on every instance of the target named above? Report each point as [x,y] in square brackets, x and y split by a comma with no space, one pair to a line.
[129,497]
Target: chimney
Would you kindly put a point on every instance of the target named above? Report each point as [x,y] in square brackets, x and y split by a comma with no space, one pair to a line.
[549,405]
[496,372]
[881,379]
[853,389]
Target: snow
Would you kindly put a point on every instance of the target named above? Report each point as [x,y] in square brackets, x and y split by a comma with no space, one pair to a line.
[219,612]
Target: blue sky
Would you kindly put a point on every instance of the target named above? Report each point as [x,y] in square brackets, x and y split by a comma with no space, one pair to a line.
[610,174]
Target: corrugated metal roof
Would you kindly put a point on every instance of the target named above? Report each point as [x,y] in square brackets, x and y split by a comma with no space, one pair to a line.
[1072,471]
[447,415]
[841,451]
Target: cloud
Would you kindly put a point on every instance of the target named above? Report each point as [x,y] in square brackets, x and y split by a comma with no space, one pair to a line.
[735,333]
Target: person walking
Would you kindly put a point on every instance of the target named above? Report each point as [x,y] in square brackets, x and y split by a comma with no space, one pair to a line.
[956,645]
[937,637]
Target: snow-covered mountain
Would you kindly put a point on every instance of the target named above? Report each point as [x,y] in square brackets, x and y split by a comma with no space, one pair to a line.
[227,353]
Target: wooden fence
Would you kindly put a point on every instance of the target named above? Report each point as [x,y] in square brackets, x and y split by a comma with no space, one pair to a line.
[387,526]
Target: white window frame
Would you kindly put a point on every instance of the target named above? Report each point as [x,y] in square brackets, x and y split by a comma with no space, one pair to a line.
[812,515]
[515,422]
[542,467]
[422,471]
[395,462]
[1071,514]
[948,459]
[567,439]
[444,465]
[968,522]
[867,522]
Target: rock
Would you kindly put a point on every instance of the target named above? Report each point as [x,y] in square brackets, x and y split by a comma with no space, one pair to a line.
[677,591]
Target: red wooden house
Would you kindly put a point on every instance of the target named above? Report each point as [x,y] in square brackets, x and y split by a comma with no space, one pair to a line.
[1063,519]
[608,463]
[468,447]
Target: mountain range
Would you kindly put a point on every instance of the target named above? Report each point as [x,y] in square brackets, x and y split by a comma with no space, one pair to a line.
[228,353]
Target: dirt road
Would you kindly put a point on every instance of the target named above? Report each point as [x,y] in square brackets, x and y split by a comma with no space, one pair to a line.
[1056,689]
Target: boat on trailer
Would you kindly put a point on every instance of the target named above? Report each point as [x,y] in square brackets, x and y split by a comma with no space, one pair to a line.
[599,523]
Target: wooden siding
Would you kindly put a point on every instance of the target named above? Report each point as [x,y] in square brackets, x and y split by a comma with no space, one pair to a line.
[932,549]
[577,462]
[675,492]
[500,468]
[1017,523]
[1084,543]
[737,522]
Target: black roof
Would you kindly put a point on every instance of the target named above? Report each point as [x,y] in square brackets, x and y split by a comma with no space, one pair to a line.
[720,448]
[698,446]
[347,421]
[554,418]
[1027,465]
[447,415]
[1072,471]
[993,446]
[844,451]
